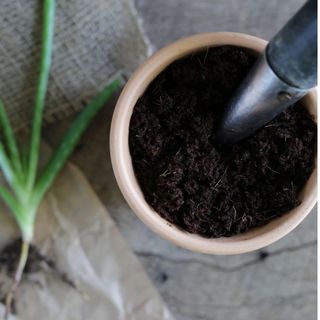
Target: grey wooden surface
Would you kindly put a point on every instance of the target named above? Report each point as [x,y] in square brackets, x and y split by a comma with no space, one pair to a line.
[277,283]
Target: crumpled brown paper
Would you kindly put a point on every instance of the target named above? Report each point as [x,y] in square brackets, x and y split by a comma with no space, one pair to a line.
[75,230]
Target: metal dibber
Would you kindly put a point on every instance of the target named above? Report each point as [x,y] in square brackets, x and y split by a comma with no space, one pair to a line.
[282,75]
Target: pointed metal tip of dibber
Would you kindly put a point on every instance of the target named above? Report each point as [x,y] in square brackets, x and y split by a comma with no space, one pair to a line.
[225,138]
[283,74]
[259,99]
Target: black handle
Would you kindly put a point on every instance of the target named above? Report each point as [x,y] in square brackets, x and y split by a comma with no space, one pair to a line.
[292,53]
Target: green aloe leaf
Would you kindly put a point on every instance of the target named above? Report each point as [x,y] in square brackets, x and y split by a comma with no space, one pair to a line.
[10,140]
[45,64]
[71,138]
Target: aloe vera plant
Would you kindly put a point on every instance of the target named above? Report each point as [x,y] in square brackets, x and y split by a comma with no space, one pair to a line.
[25,187]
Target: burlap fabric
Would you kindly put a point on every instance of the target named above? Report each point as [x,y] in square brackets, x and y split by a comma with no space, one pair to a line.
[94,40]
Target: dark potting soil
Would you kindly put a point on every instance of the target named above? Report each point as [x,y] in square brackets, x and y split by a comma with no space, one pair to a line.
[10,254]
[195,184]
[9,257]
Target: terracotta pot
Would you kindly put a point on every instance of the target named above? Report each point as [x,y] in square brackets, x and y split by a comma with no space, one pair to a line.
[123,169]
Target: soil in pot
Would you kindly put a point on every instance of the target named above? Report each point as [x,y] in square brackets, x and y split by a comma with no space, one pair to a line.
[199,186]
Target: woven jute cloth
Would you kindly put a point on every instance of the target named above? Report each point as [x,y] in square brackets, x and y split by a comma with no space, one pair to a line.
[94,40]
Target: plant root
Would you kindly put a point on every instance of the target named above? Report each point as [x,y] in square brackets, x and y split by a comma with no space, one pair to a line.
[17,277]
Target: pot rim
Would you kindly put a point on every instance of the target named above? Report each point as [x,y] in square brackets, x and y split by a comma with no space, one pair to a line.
[251,240]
